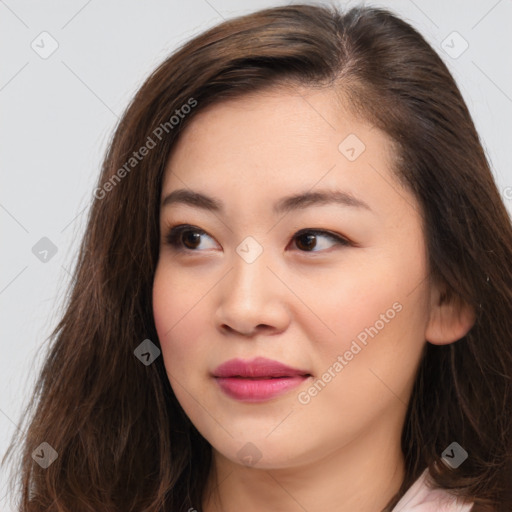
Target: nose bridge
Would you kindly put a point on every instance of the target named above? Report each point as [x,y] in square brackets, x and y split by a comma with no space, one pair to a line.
[249,294]
[250,273]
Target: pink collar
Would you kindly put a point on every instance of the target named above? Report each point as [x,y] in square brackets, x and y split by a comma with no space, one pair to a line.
[421,498]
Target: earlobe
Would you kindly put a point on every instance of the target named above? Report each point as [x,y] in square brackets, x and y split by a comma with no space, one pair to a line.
[450,319]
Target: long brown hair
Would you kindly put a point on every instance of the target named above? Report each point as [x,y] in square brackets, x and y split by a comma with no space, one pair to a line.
[122,439]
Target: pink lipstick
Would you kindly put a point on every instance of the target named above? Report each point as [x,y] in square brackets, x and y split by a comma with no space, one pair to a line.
[257,380]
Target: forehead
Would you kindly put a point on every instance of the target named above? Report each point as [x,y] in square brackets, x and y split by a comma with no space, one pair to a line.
[275,118]
[265,143]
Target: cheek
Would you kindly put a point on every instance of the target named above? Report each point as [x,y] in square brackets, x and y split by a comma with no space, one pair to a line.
[369,364]
[179,320]
[346,302]
[375,314]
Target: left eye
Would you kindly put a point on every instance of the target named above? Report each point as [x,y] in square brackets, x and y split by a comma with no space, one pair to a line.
[188,238]
[309,238]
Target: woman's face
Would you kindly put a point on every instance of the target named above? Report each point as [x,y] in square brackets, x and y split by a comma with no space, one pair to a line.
[243,283]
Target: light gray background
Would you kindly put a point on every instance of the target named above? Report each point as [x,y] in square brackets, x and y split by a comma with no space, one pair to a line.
[57,114]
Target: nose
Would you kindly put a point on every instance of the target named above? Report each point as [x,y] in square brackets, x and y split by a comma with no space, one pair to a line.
[252,299]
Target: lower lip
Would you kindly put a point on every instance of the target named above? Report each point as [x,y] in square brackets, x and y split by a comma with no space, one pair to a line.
[258,390]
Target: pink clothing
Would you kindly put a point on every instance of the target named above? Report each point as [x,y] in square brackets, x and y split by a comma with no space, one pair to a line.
[420,498]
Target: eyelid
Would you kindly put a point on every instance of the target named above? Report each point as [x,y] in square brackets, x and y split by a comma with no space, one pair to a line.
[324,232]
[174,232]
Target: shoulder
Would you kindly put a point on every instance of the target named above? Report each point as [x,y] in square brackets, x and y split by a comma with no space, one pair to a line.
[422,498]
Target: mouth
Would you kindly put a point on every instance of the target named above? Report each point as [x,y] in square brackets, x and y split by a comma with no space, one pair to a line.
[257,380]
[259,367]
[265,377]
[258,389]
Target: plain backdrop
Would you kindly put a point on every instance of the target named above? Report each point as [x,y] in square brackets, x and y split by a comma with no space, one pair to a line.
[68,71]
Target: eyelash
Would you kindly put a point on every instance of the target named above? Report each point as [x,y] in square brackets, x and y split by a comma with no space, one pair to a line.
[173,237]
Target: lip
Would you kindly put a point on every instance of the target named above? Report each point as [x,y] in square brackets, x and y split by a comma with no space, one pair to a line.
[258,379]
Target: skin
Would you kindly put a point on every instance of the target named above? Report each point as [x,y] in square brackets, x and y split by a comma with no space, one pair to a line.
[298,304]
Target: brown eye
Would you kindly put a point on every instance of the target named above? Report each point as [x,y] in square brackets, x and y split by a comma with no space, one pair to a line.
[307,240]
[185,237]
[191,239]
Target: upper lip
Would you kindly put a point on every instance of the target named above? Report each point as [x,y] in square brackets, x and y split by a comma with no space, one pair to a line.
[257,367]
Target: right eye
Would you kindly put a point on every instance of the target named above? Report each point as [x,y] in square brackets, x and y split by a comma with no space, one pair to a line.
[185,237]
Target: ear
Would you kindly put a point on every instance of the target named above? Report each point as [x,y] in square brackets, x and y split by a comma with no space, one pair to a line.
[450,317]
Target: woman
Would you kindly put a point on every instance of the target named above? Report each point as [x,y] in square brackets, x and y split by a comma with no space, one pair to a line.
[294,289]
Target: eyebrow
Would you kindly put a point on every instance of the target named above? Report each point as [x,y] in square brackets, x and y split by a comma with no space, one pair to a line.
[284,205]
